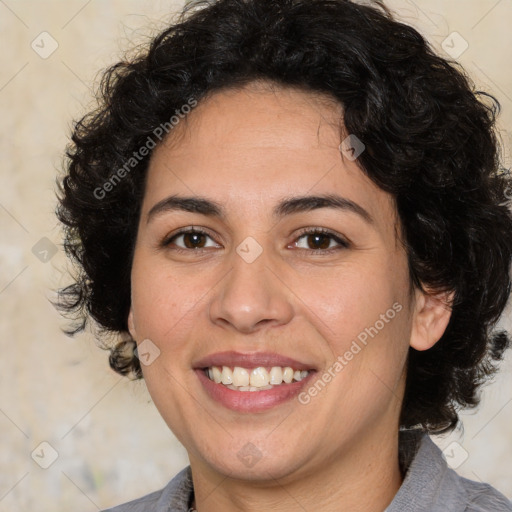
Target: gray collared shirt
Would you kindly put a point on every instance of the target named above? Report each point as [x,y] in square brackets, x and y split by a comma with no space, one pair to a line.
[429,486]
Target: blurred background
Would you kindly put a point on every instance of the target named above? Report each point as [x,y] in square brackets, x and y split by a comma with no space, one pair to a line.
[73,434]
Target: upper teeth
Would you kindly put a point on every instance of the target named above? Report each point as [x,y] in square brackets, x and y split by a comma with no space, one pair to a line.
[257,377]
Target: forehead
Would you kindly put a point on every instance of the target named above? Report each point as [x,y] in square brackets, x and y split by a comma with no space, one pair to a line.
[250,147]
[258,118]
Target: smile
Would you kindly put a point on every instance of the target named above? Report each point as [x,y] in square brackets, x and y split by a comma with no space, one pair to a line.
[256,379]
[250,398]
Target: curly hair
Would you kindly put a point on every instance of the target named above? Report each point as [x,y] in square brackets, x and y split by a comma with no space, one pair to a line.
[430,138]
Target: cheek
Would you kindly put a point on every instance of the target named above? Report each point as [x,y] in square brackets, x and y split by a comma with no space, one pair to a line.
[159,298]
[349,299]
[363,313]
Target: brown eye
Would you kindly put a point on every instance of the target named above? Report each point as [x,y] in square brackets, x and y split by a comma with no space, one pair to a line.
[189,239]
[193,240]
[319,240]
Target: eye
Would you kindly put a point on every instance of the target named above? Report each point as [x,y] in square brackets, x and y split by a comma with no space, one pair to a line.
[190,238]
[319,240]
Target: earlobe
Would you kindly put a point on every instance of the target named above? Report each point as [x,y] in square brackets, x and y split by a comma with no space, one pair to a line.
[131,325]
[431,317]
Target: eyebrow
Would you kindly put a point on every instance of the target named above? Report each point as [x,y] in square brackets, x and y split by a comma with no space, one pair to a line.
[287,206]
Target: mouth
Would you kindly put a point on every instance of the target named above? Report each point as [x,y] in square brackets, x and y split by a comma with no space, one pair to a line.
[261,378]
[252,382]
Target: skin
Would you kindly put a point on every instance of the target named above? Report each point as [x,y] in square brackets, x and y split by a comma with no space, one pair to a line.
[248,149]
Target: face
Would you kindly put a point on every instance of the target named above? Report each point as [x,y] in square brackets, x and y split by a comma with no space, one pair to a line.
[266,270]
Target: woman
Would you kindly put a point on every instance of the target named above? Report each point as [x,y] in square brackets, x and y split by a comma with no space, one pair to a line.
[294,210]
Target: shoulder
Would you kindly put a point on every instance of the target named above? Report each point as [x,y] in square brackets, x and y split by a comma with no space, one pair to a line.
[483,497]
[174,496]
[431,485]
[146,503]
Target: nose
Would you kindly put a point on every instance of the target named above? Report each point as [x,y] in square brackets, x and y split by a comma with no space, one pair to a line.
[251,296]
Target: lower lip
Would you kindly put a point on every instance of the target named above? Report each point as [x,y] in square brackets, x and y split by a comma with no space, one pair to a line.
[252,401]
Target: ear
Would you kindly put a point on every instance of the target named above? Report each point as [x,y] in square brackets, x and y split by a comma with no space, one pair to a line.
[131,325]
[432,313]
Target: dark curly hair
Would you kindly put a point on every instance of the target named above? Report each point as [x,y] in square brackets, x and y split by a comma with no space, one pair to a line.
[430,141]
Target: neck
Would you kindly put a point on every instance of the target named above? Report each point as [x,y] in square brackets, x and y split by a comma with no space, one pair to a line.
[365,477]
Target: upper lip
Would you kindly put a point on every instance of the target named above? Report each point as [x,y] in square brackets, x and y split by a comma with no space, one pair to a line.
[250,360]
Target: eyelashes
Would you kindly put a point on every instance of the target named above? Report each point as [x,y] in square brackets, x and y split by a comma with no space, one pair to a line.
[198,233]
[324,234]
[193,239]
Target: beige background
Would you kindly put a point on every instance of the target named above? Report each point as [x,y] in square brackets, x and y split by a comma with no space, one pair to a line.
[110,442]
